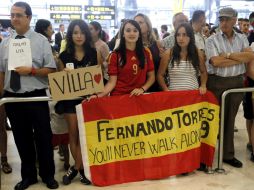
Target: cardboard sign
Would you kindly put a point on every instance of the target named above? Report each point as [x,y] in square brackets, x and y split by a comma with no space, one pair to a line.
[19,53]
[76,83]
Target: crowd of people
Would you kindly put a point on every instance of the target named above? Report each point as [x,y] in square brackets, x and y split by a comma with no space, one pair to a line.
[137,60]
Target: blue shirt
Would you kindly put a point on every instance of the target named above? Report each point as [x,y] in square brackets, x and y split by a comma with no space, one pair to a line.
[219,43]
[41,57]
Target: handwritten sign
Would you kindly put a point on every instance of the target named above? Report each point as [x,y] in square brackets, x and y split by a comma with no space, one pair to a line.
[20,53]
[159,134]
[76,83]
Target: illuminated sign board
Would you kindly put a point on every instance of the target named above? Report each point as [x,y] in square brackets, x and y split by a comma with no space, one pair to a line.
[99,12]
[99,17]
[65,16]
[72,8]
[101,9]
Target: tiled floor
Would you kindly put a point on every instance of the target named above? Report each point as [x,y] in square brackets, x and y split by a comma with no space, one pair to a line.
[233,179]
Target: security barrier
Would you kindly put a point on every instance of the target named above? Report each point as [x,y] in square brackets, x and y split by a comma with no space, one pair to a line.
[222,118]
[219,168]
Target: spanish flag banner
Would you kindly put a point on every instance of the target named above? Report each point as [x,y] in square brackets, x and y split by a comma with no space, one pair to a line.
[152,136]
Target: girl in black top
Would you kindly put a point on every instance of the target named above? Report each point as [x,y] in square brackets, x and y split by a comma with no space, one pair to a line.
[81,54]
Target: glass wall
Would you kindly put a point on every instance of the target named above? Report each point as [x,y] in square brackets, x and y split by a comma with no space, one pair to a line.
[159,11]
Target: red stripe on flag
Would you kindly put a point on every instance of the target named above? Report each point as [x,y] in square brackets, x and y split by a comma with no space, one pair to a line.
[207,153]
[151,168]
[124,106]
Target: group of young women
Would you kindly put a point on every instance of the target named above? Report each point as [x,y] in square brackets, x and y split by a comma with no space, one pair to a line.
[131,68]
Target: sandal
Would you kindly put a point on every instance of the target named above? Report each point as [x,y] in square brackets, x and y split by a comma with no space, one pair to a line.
[5,165]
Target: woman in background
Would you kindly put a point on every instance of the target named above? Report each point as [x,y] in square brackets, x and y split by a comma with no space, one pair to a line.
[44,27]
[156,33]
[100,45]
[149,41]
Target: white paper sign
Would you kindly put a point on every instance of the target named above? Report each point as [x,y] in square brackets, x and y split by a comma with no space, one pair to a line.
[19,53]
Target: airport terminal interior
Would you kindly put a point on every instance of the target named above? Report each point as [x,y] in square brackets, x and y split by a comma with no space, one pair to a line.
[109,14]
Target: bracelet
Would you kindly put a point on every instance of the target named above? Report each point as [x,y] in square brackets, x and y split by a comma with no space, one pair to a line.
[142,89]
[33,71]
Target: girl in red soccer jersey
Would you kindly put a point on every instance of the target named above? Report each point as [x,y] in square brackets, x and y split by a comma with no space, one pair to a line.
[131,68]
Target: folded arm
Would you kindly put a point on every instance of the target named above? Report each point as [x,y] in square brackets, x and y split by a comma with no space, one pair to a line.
[229,59]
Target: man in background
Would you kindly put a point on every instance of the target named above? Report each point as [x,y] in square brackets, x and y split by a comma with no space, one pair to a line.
[164,30]
[245,25]
[169,41]
[59,36]
[198,21]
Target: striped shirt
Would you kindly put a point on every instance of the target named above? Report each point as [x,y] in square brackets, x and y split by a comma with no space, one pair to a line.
[219,43]
[182,76]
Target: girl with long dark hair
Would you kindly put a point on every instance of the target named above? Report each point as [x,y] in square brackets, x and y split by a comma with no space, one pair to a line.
[184,63]
[131,69]
[79,52]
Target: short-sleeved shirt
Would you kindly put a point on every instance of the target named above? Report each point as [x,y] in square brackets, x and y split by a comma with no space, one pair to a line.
[131,75]
[89,59]
[42,57]
[199,41]
[219,43]
[169,41]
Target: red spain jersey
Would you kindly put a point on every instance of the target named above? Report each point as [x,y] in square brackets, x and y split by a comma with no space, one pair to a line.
[130,76]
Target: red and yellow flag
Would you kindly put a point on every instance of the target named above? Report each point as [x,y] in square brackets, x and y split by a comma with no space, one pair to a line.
[151,136]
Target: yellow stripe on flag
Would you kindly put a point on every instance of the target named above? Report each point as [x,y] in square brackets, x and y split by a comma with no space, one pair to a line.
[152,135]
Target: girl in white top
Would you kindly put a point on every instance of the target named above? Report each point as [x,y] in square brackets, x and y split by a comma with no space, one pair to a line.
[184,63]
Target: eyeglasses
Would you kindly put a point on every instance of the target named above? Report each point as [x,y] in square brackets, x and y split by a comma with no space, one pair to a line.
[18,15]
